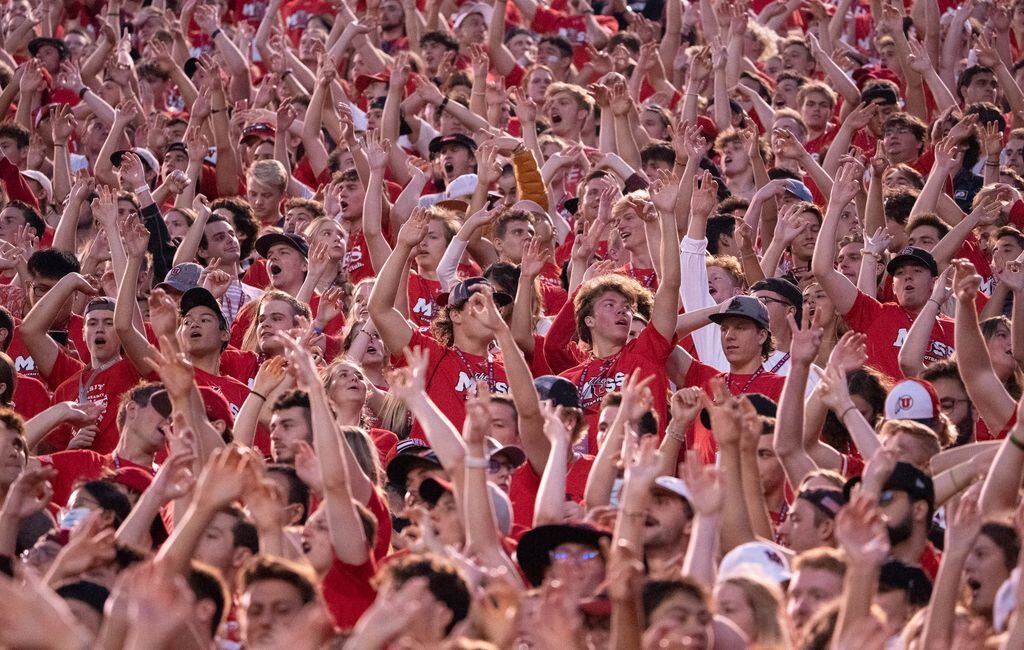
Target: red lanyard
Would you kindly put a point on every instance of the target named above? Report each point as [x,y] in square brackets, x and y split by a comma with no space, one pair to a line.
[587,401]
[753,377]
[781,363]
[490,367]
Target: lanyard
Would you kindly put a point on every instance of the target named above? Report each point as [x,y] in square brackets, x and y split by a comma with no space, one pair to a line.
[83,387]
[588,401]
[753,377]
[490,367]
[781,363]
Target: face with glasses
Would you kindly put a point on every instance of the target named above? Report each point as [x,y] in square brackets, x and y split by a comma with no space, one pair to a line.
[777,307]
[901,143]
[953,400]
[578,566]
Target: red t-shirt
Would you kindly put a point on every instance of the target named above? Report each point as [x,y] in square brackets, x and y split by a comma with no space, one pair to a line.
[768,384]
[646,277]
[357,259]
[296,13]
[87,385]
[552,294]
[348,592]
[30,397]
[452,373]
[81,465]
[256,275]
[595,378]
[423,294]
[522,492]
[241,365]
[379,507]
[26,365]
[886,326]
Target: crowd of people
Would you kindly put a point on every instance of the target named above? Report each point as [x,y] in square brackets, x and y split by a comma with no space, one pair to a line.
[509,324]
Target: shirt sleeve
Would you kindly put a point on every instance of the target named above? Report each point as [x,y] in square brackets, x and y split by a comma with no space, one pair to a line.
[448,267]
[707,340]
[558,340]
[64,367]
[863,314]
[159,241]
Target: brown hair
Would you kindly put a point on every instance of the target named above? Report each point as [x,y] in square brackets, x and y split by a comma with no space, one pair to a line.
[822,559]
[588,294]
[250,339]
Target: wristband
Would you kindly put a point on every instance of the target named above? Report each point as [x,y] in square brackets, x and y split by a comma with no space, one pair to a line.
[444,102]
[141,189]
[476,462]
[317,329]
[678,436]
[937,303]
[81,93]
[218,110]
[1015,441]
[871,253]
[259,395]
[639,513]
[845,411]
[216,32]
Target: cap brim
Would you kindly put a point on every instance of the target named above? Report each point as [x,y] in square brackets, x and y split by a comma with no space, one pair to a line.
[431,490]
[533,552]
[400,466]
[161,403]
[513,454]
[719,317]
[266,242]
[902,260]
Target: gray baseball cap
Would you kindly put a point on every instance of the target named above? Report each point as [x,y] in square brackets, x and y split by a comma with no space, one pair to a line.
[743,307]
[181,278]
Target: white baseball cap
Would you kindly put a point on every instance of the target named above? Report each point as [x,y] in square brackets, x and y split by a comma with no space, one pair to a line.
[912,399]
[759,558]
[674,485]
[469,8]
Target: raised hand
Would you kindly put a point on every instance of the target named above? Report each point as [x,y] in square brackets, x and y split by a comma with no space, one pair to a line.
[410,381]
[845,187]
[806,340]
[175,479]
[1012,275]
[663,192]
[163,314]
[966,281]
[554,429]
[535,257]
[224,478]
[685,405]
[104,207]
[878,242]
[724,410]
[704,198]
[790,226]
[861,532]
[415,229]
[131,170]
[135,237]
[705,485]
[966,525]
[377,149]
[30,492]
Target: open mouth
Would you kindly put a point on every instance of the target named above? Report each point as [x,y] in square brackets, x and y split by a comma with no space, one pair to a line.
[650,521]
[274,269]
[195,335]
[306,547]
[712,291]
[449,168]
[622,322]
[344,205]
[556,118]
[974,585]
[370,349]
[728,160]
[100,340]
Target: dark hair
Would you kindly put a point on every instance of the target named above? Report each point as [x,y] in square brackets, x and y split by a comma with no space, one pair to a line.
[443,580]
[967,76]
[206,584]
[717,226]
[109,498]
[298,491]
[647,424]
[928,219]
[1005,537]
[869,385]
[8,377]
[560,42]
[440,38]
[7,323]
[733,203]
[16,132]
[658,151]
[898,205]
[792,76]
[52,264]
[501,222]
[245,222]
[262,568]
[140,393]
[658,591]
[13,420]
[243,532]
[213,218]
[909,122]
[31,216]
[1005,231]
[504,277]
[630,40]
[986,112]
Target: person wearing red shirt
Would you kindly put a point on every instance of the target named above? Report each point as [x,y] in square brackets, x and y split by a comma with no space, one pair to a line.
[885,324]
[460,354]
[351,195]
[632,219]
[604,309]
[142,428]
[817,102]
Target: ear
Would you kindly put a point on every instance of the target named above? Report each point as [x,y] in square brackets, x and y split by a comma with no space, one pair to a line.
[239,556]
[920,510]
[204,611]
[827,530]
[589,320]
[294,511]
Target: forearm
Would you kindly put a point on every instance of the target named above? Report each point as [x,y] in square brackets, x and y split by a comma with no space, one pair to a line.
[757,507]
[999,492]
[179,548]
[699,563]
[796,463]
[550,504]
[867,277]
[736,527]
[911,355]
[65,238]
[941,611]
[859,587]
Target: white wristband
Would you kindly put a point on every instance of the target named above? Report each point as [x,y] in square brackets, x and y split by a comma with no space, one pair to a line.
[476,463]
[141,189]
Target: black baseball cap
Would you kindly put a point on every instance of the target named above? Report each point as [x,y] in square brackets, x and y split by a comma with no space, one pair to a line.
[905,577]
[904,478]
[200,297]
[747,307]
[268,241]
[829,502]
[410,454]
[533,552]
[912,255]
[763,404]
[190,66]
[176,146]
[784,288]
[55,43]
[100,304]
[461,292]
[559,390]
[879,91]
[440,141]
[433,488]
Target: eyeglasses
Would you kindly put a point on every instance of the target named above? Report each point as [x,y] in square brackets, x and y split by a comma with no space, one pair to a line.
[949,403]
[494,466]
[766,301]
[569,556]
[886,497]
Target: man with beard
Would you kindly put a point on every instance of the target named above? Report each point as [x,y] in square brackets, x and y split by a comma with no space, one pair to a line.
[290,423]
[907,502]
[391,17]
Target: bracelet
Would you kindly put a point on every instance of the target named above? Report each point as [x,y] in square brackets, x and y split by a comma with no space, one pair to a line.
[1016,442]
[641,513]
[444,102]
[259,395]
[937,303]
[81,93]
[476,462]
[141,189]
[991,163]
[678,436]
[215,33]
[317,329]
[845,411]
[218,110]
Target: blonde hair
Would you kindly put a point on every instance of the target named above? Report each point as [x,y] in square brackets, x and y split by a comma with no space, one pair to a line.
[270,173]
[250,340]
[580,96]
[626,203]
[730,265]
[765,601]
[923,434]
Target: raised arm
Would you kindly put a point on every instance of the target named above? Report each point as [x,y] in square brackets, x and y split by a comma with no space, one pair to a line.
[911,356]
[35,328]
[787,442]
[839,288]
[663,195]
[394,329]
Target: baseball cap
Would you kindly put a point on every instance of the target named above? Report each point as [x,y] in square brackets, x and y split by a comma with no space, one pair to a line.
[912,255]
[268,241]
[526,205]
[364,80]
[410,454]
[176,146]
[707,128]
[912,399]
[258,131]
[911,579]
[904,478]
[455,205]
[200,297]
[102,303]
[674,485]
[512,453]
[473,8]
[190,66]
[181,278]
[559,390]
[743,307]
[214,403]
[784,288]
[535,546]
[461,292]
[758,558]
[433,488]
[43,181]
[827,501]
[145,155]
[456,138]
[878,92]
[798,189]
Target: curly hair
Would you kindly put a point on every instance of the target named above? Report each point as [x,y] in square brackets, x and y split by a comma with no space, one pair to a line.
[640,299]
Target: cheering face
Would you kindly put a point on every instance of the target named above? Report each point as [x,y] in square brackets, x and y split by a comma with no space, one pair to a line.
[286,265]
[809,590]
[456,160]
[316,542]
[631,230]
[565,114]
[580,568]
[912,285]
[350,195]
[897,179]
[785,94]
[275,316]
[221,242]
[741,340]
[331,234]
[735,160]
[296,219]
[818,307]
[100,337]
[612,316]
[984,572]
[721,284]
[202,333]
[444,518]
[287,427]
[1000,350]
[800,531]
[267,607]
[511,244]
[797,58]
[433,55]
[390,15]
[654,124]
[346,384]
[523,47]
